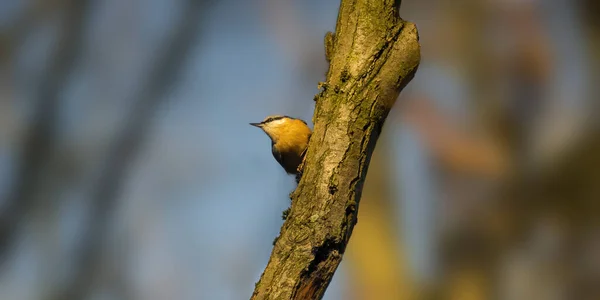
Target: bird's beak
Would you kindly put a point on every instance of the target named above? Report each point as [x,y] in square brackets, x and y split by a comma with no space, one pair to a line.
[256,124]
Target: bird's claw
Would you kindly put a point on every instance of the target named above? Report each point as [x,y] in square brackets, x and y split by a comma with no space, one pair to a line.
[299,171]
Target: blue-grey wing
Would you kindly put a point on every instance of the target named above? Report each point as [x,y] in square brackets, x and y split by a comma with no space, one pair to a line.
[278,157]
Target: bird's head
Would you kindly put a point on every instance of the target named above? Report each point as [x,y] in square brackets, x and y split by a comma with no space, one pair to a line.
[278,126]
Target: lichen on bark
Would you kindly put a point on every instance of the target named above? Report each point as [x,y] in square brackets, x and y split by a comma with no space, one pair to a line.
[373,54]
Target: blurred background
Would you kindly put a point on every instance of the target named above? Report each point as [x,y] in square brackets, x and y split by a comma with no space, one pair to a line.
[128,169]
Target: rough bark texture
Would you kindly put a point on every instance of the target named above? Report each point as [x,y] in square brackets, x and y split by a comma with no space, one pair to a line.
[373,55]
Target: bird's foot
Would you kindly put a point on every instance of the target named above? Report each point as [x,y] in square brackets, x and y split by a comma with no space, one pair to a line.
[298,177]
[299,171]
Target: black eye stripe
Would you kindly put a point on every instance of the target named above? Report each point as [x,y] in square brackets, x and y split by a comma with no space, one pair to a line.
[271,119]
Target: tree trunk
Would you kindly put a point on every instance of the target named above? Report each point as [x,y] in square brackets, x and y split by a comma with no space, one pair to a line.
[372,55]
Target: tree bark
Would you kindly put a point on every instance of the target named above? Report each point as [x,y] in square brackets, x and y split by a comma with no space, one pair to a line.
[372,55]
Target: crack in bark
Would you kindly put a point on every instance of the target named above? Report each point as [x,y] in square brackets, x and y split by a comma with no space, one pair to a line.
[331,247]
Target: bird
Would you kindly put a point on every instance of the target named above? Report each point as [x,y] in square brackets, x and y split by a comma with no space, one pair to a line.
[289,140]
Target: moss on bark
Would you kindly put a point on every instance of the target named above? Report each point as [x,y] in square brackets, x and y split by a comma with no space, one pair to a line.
[373,55]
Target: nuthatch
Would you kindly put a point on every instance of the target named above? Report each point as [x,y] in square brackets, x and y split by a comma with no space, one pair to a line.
[289,140]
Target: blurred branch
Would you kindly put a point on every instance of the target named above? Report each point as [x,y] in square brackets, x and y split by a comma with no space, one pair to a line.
[128,143]
[373,55]
[457,150]
[32,14]
[40,136]
[23,24]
